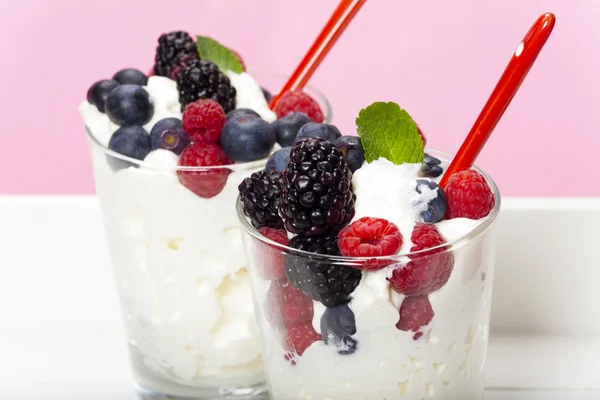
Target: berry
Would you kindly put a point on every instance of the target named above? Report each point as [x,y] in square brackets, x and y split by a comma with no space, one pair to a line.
[351,148]
[131,76]
[415,312]
[299,338]
[203,120]
[99,91]
[370,237]
[469,195]
[131,141]
[247,138]
[286,128]
[431,167]
[207,182]
[328,283]
[313,129]
[422,136]
[201,79]
[267,94]
[424,273]
[237,55]
[316,196]
[129,105]
[168,134]
[259,194]
[279,160]
[287,306]
[271,265]
[172,48]
[337,326]
[431,210]
[301,102]
[238,112]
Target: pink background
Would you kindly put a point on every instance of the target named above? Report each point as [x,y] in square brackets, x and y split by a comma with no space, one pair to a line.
[438,59]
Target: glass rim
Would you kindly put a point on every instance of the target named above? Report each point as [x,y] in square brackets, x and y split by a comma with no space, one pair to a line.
[470,236]
[321,98]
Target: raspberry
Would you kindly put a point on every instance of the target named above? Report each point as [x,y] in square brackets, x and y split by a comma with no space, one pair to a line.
[201,79]
[235,53]
[173,48]
[260,196]
[271,265]
[370,237]
[205,183]
[415,312]
[469,195]
[203,120]
[299,102]
[287,306]
[424,273]
[422,136]
[300,337]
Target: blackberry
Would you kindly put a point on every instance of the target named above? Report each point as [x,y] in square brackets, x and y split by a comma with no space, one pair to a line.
[316,196]
[323,281]
[260,197]
[201,79]
[173,49]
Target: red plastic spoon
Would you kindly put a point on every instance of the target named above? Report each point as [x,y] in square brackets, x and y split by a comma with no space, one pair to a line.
[503,93]
[339,20]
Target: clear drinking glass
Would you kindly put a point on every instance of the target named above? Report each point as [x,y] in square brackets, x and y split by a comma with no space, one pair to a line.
[181,275]
[444,359]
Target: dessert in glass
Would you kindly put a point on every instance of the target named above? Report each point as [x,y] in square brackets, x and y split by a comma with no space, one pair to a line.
[379,284]
[168,152]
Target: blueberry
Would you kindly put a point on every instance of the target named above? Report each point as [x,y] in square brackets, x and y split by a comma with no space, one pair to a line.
[279,160]
[99,91]
[351,148]
[131,141]
[247,138]
[337,326]
[267,94]
[286,128]
[241,111]
[168,134]
[129,105]
[131,76]
[433,210]
[313,129]
[431,167]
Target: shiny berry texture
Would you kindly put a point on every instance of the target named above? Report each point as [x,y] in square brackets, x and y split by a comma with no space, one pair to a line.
[287,127]
[351,148]
[279,160]
[296,101]
[370,237]
[131,141]
[201,79]
[260,195]
[247,138]
[469,195]
[131,76]
[173,47]
[239,112]
[287,306]
[300,337]
[323,281]
[316,196]
[415,313]
[431,168]
[208,182]
[313,129]
[99,91]
[271,263]
[337,326]
[432,204]
[168,134]
[203,120]
[424,273]
[129,105]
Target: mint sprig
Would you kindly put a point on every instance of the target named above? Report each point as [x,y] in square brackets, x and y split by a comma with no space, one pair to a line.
[388,131]
[213,51]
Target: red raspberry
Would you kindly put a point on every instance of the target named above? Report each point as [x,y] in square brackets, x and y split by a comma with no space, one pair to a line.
[424,273]
[297,101]
[235,53]
[271,265]
[287,305]
[422,136]
[205,183]
[300,337]
[203,121]
[150,73]
[469,195]
[370,237]
[415,313]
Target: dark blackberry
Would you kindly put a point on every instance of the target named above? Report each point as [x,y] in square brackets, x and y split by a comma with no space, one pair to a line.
[260,197]
[431,167]
[316,196]
[173,49]
[323,281]
[202,79]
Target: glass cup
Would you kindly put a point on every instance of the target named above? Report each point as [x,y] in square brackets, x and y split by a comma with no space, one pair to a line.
[181,274]
[380,360]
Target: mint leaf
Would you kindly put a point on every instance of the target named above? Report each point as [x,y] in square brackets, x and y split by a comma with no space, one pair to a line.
[388,131]
[213,51]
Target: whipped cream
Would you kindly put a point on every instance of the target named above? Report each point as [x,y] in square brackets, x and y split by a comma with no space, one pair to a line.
[250,95]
